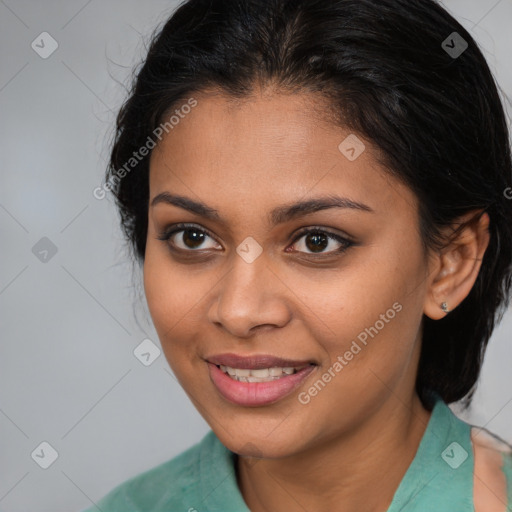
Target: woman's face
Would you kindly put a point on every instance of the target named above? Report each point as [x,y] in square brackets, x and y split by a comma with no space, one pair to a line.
[248,283]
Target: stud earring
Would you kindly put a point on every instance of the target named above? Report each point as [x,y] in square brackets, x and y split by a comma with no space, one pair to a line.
[444,307]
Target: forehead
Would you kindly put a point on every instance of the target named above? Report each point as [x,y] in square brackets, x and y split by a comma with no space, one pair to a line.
[269,147]
[273,124]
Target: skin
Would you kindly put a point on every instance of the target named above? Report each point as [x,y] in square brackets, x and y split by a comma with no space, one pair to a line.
[245,158]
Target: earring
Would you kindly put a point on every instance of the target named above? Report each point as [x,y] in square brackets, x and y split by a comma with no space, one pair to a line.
[444,307]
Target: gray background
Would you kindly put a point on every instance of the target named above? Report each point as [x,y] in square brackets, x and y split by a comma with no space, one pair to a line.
[68,375]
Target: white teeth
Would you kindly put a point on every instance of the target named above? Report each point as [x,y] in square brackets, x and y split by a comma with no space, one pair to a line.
[258,375]
[264,372]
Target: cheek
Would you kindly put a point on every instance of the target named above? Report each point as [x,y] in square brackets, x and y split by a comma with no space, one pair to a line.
[374,312]
[168,304]
[169,293]
[176,297]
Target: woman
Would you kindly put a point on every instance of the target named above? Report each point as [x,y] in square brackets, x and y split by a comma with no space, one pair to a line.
[319,194]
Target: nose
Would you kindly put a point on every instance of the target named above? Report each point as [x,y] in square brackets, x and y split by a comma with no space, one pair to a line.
[250,297]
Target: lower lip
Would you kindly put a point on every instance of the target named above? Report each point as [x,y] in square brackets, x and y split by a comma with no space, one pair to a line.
[252,394]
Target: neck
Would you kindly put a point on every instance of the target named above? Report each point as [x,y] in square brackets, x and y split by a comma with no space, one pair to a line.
[339,473]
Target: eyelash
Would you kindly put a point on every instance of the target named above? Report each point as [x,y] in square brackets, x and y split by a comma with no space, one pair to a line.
[177,228]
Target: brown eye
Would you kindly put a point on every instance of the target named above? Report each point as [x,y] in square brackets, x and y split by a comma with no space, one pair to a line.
[317,240]
[192,238]
[189,236]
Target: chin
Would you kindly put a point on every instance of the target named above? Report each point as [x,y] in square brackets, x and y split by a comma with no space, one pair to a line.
[260,444]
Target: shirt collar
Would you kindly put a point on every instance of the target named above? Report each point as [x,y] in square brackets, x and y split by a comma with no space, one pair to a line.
[443,464]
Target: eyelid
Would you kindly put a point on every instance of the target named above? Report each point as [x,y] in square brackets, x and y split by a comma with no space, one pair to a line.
[322,229]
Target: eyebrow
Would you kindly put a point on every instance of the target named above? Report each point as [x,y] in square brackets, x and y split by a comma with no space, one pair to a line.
[278,215]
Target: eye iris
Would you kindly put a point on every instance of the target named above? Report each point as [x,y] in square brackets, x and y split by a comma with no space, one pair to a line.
[196,240]
[320,242]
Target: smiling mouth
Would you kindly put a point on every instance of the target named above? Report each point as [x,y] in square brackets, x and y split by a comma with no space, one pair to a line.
[260,382]
[260,374]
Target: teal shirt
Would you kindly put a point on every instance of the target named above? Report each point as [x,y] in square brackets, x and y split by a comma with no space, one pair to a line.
[203,478]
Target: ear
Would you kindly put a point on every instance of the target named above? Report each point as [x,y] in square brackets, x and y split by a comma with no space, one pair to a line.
[453,270]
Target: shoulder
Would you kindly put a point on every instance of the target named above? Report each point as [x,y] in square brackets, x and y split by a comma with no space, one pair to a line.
[170,484]
[492,470]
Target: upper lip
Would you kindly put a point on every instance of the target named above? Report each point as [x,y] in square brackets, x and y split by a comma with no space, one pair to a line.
[256,361]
